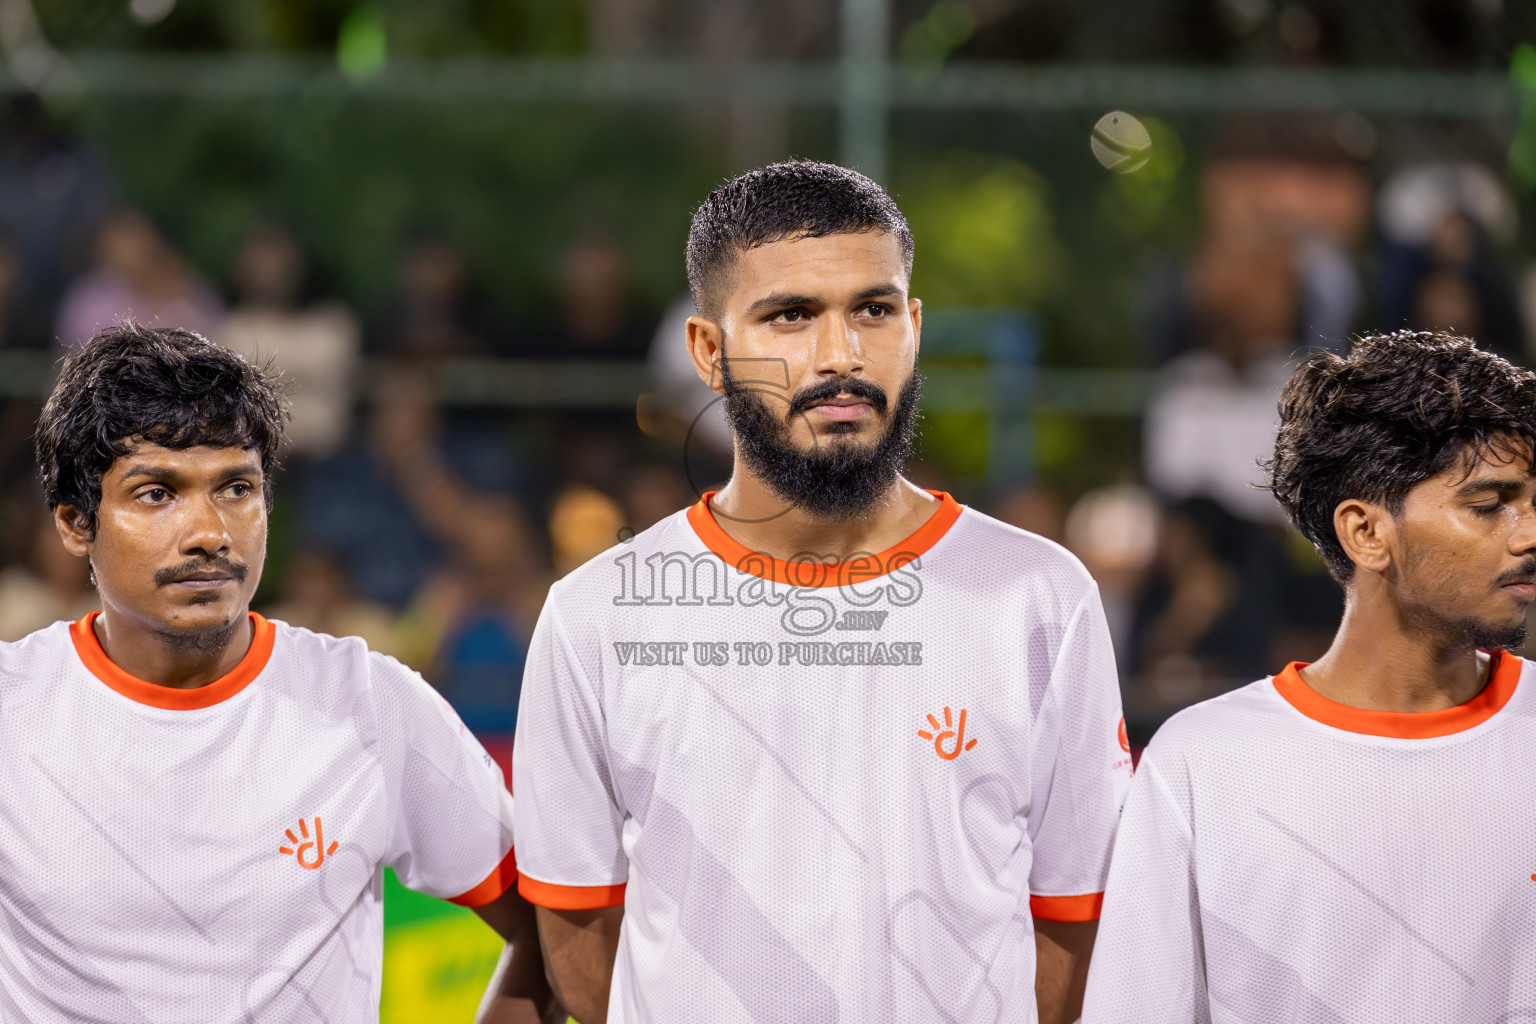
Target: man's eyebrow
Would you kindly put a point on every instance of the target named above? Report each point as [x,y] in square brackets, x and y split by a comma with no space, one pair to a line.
[154,472]
[148,470]
[785,300]
[1484,484]
[781,300]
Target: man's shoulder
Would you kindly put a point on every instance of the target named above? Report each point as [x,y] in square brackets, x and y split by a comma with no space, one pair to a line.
[28,659]
[981,548]
[1234,721]
[331,662]
[975,531]
[339,679]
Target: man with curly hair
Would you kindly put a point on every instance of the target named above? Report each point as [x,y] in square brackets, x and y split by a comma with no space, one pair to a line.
[1355,839]
[196,803]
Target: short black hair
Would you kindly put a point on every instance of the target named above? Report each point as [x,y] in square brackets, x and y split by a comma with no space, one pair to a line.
[793,199]
[1398,409]
[170,387]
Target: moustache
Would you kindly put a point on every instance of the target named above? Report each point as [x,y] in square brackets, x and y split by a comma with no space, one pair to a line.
[827,390]
[176,573]
[1525,574]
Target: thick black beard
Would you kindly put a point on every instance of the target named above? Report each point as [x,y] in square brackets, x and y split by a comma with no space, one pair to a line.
[209,640]
[838,481]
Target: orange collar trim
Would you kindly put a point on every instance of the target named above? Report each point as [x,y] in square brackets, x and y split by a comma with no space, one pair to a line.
[1503,677]
[171,698]
[808,572]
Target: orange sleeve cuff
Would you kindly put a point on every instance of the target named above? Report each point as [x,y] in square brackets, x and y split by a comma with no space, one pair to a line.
[501,878]
[570,897]
[1067,908]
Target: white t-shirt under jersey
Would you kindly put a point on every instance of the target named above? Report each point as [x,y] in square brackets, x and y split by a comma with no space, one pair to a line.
[1286,858]
[822,791]
[215,856]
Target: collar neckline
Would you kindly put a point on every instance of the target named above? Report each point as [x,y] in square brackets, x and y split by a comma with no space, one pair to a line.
[810,573]
[171,698]
[1503,677]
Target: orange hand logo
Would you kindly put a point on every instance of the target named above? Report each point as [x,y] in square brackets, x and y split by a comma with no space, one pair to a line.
[950,730]
[317,844]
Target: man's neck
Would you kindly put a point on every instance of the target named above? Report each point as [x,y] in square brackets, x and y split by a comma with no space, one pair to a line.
[139,649]
[755,517]
[1379,661]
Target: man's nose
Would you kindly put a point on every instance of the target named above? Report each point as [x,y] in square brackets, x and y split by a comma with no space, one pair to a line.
[1523,540]
[206,530]
[837,348]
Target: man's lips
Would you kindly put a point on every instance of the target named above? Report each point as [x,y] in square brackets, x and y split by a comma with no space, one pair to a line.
[1525,590]
[841,409]
[204,580]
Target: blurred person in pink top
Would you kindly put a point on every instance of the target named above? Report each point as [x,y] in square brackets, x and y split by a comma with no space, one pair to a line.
[137,274]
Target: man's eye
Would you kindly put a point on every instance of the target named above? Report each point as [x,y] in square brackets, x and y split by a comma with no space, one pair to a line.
[1484,510]
[155,495]
[877,311]
[790,316]
[239,490]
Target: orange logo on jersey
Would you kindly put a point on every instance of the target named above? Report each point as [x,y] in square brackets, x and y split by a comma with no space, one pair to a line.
[950,730]
[317,844]
[1125,740]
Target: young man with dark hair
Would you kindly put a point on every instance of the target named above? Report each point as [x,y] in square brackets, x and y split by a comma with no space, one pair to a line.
[196,803]
[1351,840]
[825,746]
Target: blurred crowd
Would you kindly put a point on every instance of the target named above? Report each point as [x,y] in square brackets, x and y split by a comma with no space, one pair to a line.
[433,526]
[1204,582]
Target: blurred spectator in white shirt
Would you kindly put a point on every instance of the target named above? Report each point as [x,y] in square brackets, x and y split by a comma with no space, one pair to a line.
[1214,413]
[137,273]
[316,346]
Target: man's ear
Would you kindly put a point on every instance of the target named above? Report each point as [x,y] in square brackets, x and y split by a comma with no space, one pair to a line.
[70,523]
[1367,532]
[704,345]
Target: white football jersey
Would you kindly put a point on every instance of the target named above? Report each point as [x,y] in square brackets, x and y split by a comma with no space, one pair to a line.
[215,855]
[1287,858]
[823,791]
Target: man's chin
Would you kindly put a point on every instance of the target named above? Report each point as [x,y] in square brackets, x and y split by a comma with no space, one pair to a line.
[839,443]
[867,431]
[205,626]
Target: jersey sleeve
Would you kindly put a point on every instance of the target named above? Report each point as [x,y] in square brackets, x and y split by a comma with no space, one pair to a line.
[451,829]
[1081,772]
[568,815]
[1148,963]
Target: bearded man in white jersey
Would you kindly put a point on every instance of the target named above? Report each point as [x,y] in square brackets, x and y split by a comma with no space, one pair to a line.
[1355,839]
[196,803]
[825,747]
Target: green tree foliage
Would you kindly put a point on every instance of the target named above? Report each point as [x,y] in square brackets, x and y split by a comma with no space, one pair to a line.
[984,231]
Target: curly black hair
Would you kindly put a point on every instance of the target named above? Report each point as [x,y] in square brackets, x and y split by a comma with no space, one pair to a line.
[1398,409]
[793,199]
[163,385]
